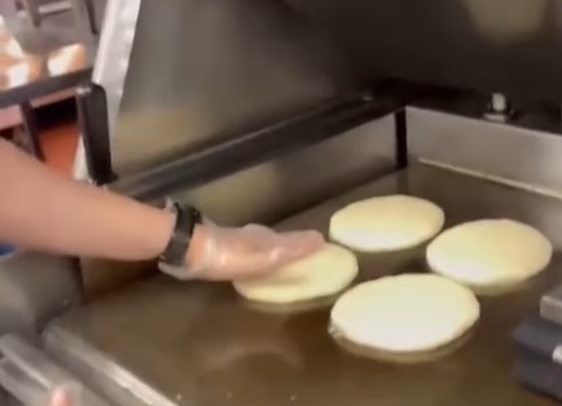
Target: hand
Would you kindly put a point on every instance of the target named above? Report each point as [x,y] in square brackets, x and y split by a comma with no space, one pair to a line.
[218,253]
[60,397]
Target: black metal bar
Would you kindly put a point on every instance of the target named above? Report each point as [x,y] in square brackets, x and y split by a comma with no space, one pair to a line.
[253,148]
[32,10]
[401,131]
[92,16]
[31,130]
[91,104]
[43,87]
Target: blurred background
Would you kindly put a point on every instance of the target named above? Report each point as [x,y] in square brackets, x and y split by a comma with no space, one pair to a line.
[46,50]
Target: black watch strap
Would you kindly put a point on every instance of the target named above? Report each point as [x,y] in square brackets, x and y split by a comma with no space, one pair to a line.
[186,219]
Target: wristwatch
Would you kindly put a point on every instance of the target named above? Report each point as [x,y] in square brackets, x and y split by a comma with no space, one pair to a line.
[187,218]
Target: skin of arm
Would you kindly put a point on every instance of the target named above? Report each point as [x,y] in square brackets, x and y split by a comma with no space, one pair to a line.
[42,210]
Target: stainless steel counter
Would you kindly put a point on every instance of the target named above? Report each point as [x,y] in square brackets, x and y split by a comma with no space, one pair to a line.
[198,344]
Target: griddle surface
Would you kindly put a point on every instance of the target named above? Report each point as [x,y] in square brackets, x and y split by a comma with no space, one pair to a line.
[200,345]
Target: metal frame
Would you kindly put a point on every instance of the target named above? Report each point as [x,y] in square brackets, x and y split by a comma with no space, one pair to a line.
[29,374]
[31,129]
[33,12]
[255,147]
[92,117]
[521,157]
[248,148]
[110,68]
[401,128]
[130,390]
[114,51]
[41,88]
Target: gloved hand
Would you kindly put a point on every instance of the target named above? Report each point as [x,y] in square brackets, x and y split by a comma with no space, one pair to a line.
[61,397]
[218,253]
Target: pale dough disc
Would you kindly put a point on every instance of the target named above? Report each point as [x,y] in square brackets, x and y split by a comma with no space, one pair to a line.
[490,253]
[407,313]
[322,274]
[386,223]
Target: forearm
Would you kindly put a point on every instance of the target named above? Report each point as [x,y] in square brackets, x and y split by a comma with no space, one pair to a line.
[42,210]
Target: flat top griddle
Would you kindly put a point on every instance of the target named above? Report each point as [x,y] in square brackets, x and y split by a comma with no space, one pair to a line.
[199,344]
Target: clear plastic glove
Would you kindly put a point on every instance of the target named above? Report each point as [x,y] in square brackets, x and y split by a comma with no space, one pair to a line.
[218,253]
[62,397]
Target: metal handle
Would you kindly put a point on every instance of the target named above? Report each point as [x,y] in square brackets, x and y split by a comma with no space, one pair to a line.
[30,376]
[20,385]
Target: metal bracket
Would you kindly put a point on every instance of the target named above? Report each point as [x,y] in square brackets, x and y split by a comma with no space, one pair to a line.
[91,103]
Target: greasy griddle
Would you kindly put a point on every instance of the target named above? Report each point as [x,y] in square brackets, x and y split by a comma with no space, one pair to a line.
[199,344]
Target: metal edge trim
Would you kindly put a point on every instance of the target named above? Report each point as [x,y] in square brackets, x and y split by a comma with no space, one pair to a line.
[42,88]
[101,366]
[412,108]
[492,178]
[117,36]
[439,139]
[557,355]
[256,147]
[111,66]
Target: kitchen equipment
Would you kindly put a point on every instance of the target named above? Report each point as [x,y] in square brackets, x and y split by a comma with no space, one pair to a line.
[551,305]
[310,106]
[31,376]
[541,338]
[537,366]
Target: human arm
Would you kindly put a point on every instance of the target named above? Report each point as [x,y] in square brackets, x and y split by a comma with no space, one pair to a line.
[42,210]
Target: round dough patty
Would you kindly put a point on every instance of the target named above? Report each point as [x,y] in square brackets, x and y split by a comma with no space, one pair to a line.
[386,223]
[490,253]
[322,274]
[405,314]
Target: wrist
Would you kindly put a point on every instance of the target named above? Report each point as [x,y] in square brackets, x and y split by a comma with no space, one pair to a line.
[193,262]
[196,253]
[187,222]
[162,225]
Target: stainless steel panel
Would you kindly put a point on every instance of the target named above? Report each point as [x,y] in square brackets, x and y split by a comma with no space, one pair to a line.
[527,158]
[296,181]
[214,68]
[256,147]
[34,289]
[30,375]
[114,51]
[116,382]
[551,307]
[508,46]
[199,344]
[111,65]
